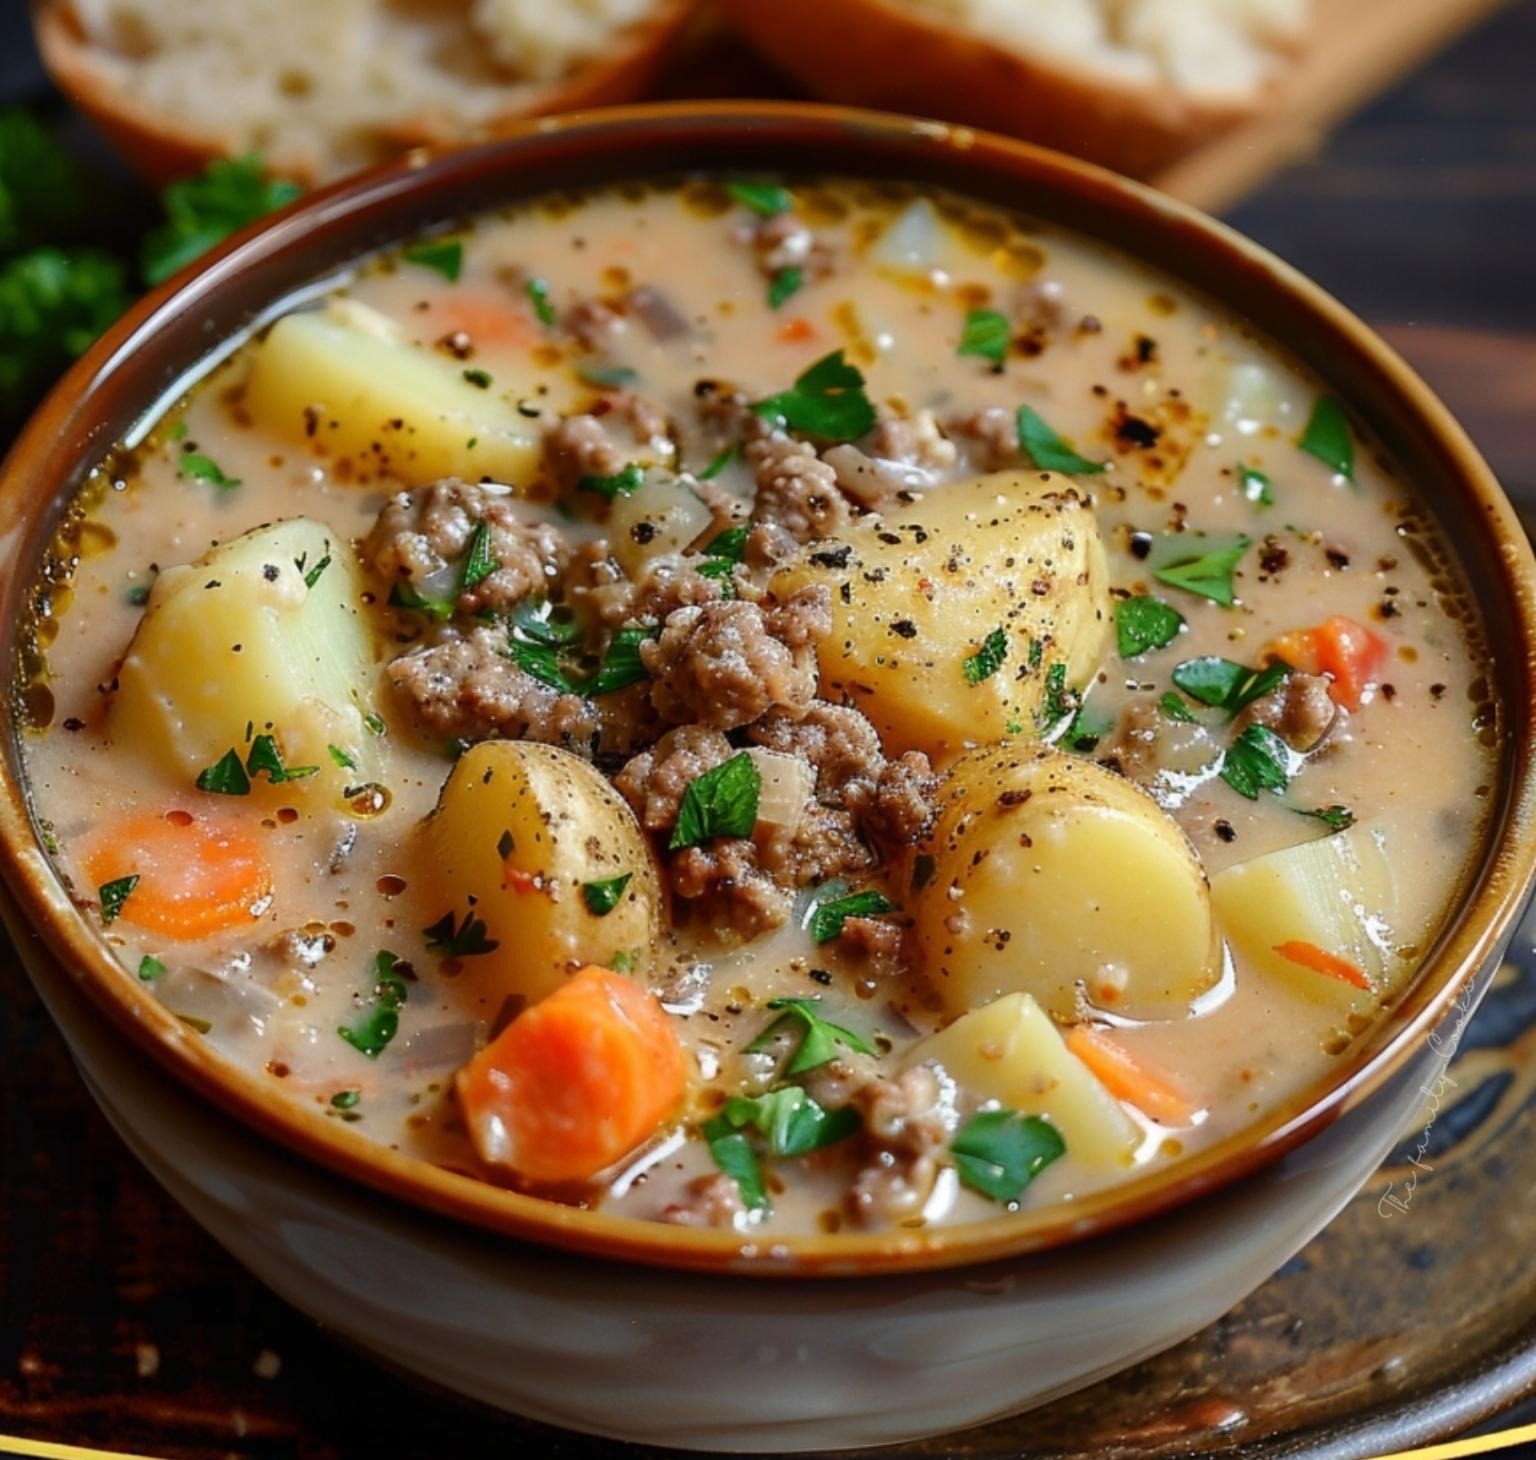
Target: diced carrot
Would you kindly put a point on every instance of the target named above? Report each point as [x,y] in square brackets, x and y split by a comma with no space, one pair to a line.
[1352,657]
[1298,648]
[1347,652]
[1319,960]
[196,875]
[492,321]
[797,331]
[1128,1079]
[575,1082]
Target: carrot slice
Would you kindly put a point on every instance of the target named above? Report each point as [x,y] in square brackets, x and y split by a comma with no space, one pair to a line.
[796,331]
[1352,657]
[575,1082]
[196,876]
[491,321]
[1319,960]
[1298,648]
[1127,1078]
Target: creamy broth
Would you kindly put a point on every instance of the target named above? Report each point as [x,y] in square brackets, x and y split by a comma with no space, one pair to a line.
[609,304]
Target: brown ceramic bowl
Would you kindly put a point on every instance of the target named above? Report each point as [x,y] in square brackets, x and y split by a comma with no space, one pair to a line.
[164,337]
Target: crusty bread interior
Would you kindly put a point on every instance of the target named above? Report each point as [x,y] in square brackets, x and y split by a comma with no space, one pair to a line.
[319,86]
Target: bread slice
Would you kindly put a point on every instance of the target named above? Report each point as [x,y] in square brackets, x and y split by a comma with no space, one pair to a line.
[1131,84]
[322,87]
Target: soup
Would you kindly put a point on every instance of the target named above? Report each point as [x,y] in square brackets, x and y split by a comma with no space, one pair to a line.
[786,708]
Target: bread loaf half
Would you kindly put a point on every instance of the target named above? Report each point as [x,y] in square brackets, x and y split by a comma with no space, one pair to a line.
[322,87]
[1131,84]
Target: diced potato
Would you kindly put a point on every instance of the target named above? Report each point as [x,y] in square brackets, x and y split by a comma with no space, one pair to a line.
[238,644]
[1338,894]
[1009,1051]
[1056,877]
[662,516]
[386,407]
[917,593]
[520,832]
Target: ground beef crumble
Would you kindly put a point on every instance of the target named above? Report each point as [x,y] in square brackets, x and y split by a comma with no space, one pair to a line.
[796,489]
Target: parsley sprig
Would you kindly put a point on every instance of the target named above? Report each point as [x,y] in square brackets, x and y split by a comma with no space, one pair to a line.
[372,1033]
[819,1038]
[826,401]
[460,939]
[721,802]
[1000,1152]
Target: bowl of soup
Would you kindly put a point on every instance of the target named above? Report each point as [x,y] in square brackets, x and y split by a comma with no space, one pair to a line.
[645,759]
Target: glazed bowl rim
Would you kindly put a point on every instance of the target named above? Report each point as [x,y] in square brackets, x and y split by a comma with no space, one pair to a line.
[847,138]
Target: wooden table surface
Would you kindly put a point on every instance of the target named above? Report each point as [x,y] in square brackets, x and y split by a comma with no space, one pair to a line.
[122,1325]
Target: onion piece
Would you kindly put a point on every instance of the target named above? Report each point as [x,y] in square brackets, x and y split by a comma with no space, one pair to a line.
[788,785]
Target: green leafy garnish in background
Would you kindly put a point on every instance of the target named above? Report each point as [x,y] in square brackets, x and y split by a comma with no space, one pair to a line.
[204,210]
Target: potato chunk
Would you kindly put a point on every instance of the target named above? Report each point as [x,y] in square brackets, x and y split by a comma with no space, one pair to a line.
[664,516]
[1337,895]
[916,593]
[532,838]
[266,634]
[1052,873]
[1009,1051]
[386,407]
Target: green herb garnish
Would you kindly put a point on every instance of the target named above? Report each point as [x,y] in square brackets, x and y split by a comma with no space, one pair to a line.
[1059,702]
[767,200]
[720,463]
[541,662]
[987,334]
[999,1152]
[204,210]
[380,1022]
[1143,624]
[205,469]
[444,256]
[313,575]
[534,619]
[721,802]
[602,897]
[1335,818]
[1175,709]
[466,939]
[732,1152]
[114,894]
[828,918]
[403,595]
[620,484]
[1223,685]
[266,759]
[1327,437]
[791,1122]
[480,379]
[225,777]
[341,758]
[608,377]
[538,291]
[1047,450]
[621,665]
[988,659]
[819,1038]
[1255,486]
[150,968]
[1201,565]
[346,1099]
[1258,760]
[481,560]
[827,400]
[787,282]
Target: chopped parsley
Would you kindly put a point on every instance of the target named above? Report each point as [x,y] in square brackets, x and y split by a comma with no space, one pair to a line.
[988,659]
[1255,486]
[1258,760]
[403,595]
[987,334]
[1223,685]
[114,894]
[204,210]
[721,802]
[767,200]
[720,463]
[541,662]
[1327,437]
[375,723]
[999,1152]
[1200,564]
[828,917]
[538,291]
[1089,726]
[621,664]
[313,575]
[481,560]
[827,400]
[346,1099]
[1059,701]
[266,759]
[535,619]
[1174,708]
[466,939]
[380,1022]
[791,1123]
[226,776]
[480,379]
[602,897]
[1335,818]
[621,484]
[1143,624]
[608,377]
[786,283]
[150,968]
[1047,450]
[205,469]
[819,1038]
[443,256]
